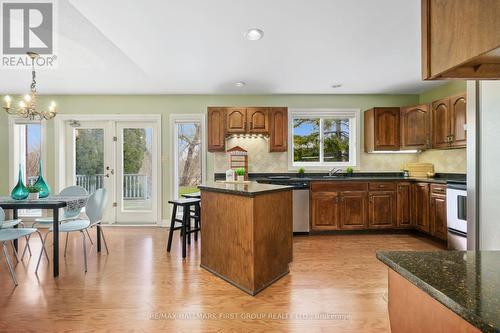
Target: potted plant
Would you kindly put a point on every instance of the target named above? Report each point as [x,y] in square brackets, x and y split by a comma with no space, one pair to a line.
[240,173]
[34,192]
[301,172]
[349,171]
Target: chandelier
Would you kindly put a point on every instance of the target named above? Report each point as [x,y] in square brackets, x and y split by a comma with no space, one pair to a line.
[27,107]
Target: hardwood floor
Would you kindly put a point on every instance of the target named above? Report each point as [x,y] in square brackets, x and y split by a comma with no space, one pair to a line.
[336,285]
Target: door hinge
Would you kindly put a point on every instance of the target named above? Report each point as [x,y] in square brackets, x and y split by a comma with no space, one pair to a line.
[115,204]
[115,138]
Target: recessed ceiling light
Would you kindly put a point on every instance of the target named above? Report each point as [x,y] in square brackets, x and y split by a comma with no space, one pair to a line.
[254,34]
[240,84]
[337,85]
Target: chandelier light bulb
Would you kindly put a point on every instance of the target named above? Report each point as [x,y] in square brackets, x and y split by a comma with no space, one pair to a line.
[7,100]
[22,104]
[27,98]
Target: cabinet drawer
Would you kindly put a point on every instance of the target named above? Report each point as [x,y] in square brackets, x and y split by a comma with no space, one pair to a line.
[338,186]
[438,188]
[383,186]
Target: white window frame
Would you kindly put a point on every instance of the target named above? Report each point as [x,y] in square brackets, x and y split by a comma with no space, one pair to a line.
[186,118]
[354,116]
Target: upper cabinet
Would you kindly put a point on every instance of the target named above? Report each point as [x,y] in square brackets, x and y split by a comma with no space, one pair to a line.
[460,39]
[236,120]
[382,129]
[449,121]
[216,129]
[258,120]
[278,134]
[415,127]
[224,121]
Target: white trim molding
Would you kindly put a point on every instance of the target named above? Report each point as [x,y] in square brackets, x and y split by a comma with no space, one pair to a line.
[354,116]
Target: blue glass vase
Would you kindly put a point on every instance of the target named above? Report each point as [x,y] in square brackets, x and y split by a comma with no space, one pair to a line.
[19,192]
[41,184]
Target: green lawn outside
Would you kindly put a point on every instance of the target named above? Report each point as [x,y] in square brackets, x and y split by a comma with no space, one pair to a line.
[187,190]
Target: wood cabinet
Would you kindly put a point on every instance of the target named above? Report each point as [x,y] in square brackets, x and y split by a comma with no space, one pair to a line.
[420,209]
[403,205]
[449,120]
[381,209]
[278,133]
[257,120]
[382,131]
[458,121]
[236,120]
[437,214]
[460,39]
[415,127]
[353,210]
[325,211]
[224,121]
[216,129]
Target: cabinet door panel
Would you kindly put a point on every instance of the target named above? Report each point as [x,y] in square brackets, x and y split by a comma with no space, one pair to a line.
[404,205]
[258,120]
[438,219]
[381,210]
[236,120]
[441,123]
[278,134]
[387,129]
[325,211]
[353,210]
[216,129]
[421,206]
[415,127]
[458,115]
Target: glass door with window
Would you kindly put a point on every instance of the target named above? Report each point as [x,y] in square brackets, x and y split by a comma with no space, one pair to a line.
[137,172]
[188,162]
[90,159]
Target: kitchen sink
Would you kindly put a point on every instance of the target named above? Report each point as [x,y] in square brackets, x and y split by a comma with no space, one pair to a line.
[334,176]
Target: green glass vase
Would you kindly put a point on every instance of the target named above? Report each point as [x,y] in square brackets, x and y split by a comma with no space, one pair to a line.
[41,184]
[19,192]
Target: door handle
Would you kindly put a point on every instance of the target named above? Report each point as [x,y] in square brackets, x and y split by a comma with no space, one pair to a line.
[106,175]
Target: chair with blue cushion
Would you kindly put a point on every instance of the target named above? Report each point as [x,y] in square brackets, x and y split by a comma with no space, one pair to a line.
[11,234]
[94,211]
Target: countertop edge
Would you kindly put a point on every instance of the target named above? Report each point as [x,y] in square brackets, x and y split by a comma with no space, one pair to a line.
[449,303]
[242,193]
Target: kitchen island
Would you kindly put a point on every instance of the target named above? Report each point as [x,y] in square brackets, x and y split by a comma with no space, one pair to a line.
[443,291]
[246,233]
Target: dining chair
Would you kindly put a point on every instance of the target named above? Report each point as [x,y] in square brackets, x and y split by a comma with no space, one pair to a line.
[7,224]
[46,222]
[94,211]
[11,234]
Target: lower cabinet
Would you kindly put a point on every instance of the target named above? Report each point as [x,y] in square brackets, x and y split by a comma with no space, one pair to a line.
[403,205]
[325,210]
[382,209]
[379,205]
[438,225]
[353,210]
[420,209]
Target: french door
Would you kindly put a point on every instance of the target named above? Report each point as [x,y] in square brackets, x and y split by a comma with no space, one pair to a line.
[120,156]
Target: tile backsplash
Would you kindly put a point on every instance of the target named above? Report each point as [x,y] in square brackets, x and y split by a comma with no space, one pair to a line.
[261,160]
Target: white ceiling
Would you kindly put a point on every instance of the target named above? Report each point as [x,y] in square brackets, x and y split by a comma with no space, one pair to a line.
[197,46]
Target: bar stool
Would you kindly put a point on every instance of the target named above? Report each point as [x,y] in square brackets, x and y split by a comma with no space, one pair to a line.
[185,227]
[195,211]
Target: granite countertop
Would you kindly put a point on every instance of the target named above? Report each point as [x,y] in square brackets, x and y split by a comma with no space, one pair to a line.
[466,282]
[246,189]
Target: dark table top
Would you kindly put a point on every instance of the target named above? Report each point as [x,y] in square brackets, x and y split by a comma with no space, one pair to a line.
[246,189]
[53,201]
[466,282]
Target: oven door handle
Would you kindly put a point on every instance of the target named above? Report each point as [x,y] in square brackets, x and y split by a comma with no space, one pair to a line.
[456,232]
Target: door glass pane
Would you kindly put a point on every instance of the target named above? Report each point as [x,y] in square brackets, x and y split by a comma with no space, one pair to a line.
[306,140]
[89,155]
[189,164]
[29,138]
[137,168]
[336,140]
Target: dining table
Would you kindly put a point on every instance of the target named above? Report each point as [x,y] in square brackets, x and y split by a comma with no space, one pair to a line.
[54,203]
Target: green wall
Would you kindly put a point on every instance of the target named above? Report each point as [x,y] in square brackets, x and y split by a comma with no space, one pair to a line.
[169,104]
[448,89]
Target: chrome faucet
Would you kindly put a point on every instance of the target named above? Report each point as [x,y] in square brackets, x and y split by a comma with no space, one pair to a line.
[334,171]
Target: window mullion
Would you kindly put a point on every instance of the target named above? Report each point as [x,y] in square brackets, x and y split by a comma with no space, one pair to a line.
[321,154]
